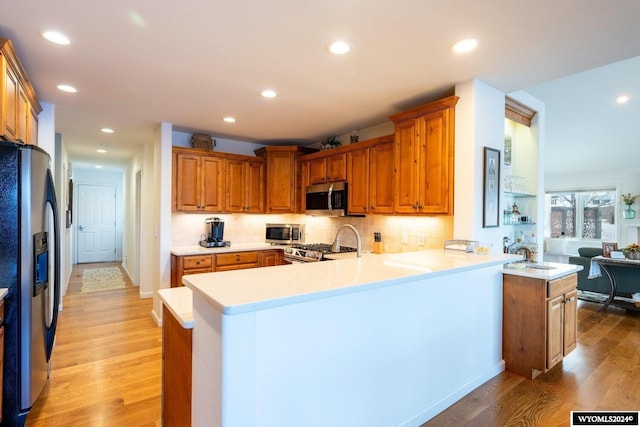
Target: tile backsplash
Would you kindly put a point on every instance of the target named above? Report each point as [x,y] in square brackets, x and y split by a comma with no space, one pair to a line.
[187,229]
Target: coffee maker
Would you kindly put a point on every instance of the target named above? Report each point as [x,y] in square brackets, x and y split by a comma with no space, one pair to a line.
[213,236]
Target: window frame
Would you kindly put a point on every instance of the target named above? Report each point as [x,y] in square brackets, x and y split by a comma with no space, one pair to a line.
[580,218]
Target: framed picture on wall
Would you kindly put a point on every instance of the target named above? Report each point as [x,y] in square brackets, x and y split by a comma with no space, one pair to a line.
[491,207]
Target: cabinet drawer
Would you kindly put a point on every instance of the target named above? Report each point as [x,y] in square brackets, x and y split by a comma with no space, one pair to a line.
[197,262]
[237,258]
[562,285]
[196,271]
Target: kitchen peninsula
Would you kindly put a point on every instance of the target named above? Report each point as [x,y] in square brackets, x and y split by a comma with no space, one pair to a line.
[386,339]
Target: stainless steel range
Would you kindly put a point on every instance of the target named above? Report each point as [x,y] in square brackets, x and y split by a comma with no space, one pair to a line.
[312,252]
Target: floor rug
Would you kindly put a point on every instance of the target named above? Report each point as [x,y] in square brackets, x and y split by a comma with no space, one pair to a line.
[102,279]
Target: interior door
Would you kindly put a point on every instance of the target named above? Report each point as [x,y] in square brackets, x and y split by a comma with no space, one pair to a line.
[96,223]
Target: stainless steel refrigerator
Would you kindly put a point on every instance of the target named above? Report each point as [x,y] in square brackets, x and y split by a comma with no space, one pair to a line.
[30,270]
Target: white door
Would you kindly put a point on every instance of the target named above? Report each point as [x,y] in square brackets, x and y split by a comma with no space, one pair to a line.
[96,223]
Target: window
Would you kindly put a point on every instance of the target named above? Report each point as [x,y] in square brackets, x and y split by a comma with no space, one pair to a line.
[583,214]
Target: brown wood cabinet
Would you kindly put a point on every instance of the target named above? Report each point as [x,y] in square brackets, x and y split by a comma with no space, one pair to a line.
[245,185]
[539,322]
[198,179]
[177,345]
[424,143]
[328,169]
[196,264]
[370,177]
[19,106]
[284,180]
[270,258]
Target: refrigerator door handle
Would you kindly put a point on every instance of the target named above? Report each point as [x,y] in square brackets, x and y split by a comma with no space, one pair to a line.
[51,200]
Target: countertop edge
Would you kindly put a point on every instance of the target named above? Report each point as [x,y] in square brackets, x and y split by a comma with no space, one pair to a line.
[179,301]
[403,268]
[235,247]
[560,270]
[3,293]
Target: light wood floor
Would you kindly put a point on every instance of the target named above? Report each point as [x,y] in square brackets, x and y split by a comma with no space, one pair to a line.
[106,363]
[106,370]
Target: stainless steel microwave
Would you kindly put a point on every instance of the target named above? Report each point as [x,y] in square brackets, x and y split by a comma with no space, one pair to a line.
[327,199]
[284,234]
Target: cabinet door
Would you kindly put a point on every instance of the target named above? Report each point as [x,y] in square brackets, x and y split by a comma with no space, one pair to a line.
[318,171]
[9,111]
[281,182]
[270,258]
[23,116]
[32,127]
[337,167]
[435,164]
[406,176]
[381,178]
[570,321]
[187,182]
[236,185]
[358,180]
[255,187]
[212,184]
[555,330]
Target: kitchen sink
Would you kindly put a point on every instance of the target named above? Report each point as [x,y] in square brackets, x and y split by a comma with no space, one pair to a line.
[525,265]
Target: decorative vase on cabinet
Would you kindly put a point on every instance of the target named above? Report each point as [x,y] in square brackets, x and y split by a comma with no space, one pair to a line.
[628,213]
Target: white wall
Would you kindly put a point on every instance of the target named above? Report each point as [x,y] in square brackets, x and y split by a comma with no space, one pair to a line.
[479,124]
[182,139]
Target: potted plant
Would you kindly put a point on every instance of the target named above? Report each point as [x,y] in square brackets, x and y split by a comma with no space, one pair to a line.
[632,251]
[330,142]
[628,200]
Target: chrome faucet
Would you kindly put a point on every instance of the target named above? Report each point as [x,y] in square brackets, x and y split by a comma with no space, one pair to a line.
[336,242]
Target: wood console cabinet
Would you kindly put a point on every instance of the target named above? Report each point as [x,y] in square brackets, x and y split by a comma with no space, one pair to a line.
[195,264]
[539,322]
[19,106]
[424,149]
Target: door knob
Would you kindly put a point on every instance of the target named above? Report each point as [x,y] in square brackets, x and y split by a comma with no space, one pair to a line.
[80,228]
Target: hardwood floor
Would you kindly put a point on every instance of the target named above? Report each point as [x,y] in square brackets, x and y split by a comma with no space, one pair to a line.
[602,374]
[106,370]
[106,363]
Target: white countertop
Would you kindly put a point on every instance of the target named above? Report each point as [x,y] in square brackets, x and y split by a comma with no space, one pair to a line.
[179,301]
[241,291]
[3,293]
[235,247]
[556,270]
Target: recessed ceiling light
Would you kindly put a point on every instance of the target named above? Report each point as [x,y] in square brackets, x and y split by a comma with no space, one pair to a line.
[101,150]
[465,45]
[107,130]
[98,166]
[339,47]
[56,37]
[67,88]
[269,93]
[622,99]
[229,119]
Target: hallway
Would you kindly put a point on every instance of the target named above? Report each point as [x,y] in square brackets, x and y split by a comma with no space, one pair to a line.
[106,363]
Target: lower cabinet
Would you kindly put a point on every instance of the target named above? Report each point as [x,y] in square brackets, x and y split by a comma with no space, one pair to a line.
[539,322]
[176,372]
[195,264]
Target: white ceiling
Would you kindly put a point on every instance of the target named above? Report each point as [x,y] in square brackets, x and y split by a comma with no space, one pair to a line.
[190,63]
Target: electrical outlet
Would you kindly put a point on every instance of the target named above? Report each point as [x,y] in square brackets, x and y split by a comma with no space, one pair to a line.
[405,237]
[420,239]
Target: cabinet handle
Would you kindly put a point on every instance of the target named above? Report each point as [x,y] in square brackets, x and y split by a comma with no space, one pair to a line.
[569,300]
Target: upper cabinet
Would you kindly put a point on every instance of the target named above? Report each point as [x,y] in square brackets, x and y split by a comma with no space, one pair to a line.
[245,185]
[19,106]
[424,147]
[198,181]
[284,179]
[328,169]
